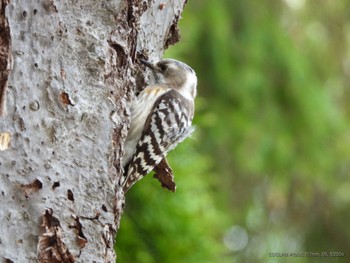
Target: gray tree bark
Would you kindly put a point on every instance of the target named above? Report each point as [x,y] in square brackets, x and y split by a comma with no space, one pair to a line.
[68,70]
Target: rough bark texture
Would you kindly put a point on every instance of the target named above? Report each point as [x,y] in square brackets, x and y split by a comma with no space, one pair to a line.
[75,67]
[5,55]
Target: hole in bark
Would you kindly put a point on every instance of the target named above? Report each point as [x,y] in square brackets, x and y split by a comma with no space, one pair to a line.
[55,185]
[35,11]
[104,208]
[31,188]
[173,36]
[7,260]
[36,65]
[70,195]
[2,193]
[24,14]
[64,98]
[121,55]
[53,153]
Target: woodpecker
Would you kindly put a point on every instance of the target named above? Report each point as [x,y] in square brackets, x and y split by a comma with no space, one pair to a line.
[161,117]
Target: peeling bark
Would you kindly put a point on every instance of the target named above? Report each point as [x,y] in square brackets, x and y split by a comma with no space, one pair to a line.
[75,72]
[51,247]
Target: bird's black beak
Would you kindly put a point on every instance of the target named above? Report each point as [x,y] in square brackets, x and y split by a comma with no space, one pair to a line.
[148,64]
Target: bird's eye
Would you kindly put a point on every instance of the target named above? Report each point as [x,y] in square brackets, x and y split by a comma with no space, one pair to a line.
[163,67]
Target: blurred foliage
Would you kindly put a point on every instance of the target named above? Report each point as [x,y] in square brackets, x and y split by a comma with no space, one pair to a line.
[268,169]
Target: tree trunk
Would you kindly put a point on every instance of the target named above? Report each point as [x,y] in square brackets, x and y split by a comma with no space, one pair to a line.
[67,94]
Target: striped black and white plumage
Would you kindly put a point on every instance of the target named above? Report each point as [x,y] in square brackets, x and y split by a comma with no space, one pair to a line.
[161,117]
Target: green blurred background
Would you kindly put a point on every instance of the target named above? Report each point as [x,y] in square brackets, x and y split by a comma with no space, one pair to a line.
[268,168]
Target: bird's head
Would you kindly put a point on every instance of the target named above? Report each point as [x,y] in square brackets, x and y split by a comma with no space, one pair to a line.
[174,74]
